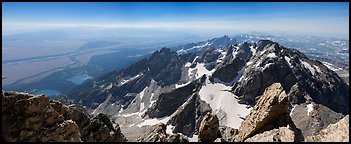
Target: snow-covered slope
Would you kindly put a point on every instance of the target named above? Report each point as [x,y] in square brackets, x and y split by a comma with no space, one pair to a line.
[224,104]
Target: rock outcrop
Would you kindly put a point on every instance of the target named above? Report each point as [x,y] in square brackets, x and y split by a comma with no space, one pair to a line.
[281,134]
[35,118]
[227,133]
[269,119]
[338,132]
[208,130]
[157,133]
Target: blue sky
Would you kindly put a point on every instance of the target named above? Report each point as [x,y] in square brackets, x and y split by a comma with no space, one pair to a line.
[309,17]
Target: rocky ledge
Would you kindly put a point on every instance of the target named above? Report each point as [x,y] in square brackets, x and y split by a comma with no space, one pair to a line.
[35,118]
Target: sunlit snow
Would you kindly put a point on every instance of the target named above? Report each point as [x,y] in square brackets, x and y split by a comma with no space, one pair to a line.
[308,66]
[154,121]
[130,79]
[309,108]
[271,55]
[224,104]
[287,59]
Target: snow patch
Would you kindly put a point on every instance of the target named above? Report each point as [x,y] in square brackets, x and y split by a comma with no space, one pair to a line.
[271,55]
[253,50]
[262,52]
[240,75]
[267,65]
[154,121]
[108,87]
[308,66]
[188,64]
[309,108]
[287,59]
[202,46]
[222,56]
[136,113]
[151,99]
[181,85]
[169,129]
[200,70]
[331,66]
[195,138]
[234,54]
[317,68]
[224,104]
[292,109]
[126,80]
[249,63]
[195,59]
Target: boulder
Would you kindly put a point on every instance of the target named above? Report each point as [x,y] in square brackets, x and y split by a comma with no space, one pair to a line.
[270,113]
[208,130]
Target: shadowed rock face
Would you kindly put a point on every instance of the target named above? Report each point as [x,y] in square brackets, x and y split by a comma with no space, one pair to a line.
[168,103]
[302,78]
[34,118]
[187,119]
[163,66]
[270,115]
[312,122]
[208,130]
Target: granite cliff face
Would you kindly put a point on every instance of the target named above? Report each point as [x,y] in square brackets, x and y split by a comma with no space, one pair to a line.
[35,118]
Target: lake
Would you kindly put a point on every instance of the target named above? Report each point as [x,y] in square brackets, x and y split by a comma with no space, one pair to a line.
[49,92]
[79,79]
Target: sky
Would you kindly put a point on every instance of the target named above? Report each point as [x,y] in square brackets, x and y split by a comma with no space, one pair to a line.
[315,18]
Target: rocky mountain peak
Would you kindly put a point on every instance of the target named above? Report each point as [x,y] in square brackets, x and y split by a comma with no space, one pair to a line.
[165,50]
[270,113]
[276,63]
[261,44]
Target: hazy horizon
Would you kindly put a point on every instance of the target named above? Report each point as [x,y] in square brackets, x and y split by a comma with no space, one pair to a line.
[204,18]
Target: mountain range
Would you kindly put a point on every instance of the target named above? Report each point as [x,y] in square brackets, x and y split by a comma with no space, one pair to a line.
[225,81]
[220,76]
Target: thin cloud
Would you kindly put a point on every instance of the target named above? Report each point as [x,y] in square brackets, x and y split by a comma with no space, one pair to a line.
[312,26]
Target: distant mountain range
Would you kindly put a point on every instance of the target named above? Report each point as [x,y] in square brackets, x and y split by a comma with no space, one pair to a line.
[223,76]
